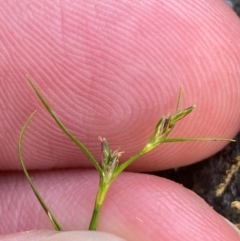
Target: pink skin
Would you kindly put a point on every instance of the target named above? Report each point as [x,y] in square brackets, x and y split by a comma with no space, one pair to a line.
[112,69]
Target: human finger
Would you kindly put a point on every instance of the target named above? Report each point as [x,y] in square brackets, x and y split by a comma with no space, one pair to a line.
[112,69]
[137,207]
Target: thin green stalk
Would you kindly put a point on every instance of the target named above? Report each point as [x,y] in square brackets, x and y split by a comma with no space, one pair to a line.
[145,150]
[37,194]
[64,129]
[102,191]
[189,139]
[125,164]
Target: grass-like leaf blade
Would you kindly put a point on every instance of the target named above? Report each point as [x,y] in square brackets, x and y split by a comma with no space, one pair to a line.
[54,221]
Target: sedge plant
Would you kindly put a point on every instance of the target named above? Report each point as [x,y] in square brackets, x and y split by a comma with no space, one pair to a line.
[110,168]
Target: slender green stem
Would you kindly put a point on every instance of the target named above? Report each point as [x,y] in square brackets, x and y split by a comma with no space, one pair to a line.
[103,188]
[125,164]
[102,191]
[183,139]
[37,194]
[64,129]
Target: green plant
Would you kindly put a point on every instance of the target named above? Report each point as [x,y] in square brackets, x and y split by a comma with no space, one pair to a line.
[110,167]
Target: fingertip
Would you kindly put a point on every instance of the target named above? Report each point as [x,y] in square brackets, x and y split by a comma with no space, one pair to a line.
[232,226]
